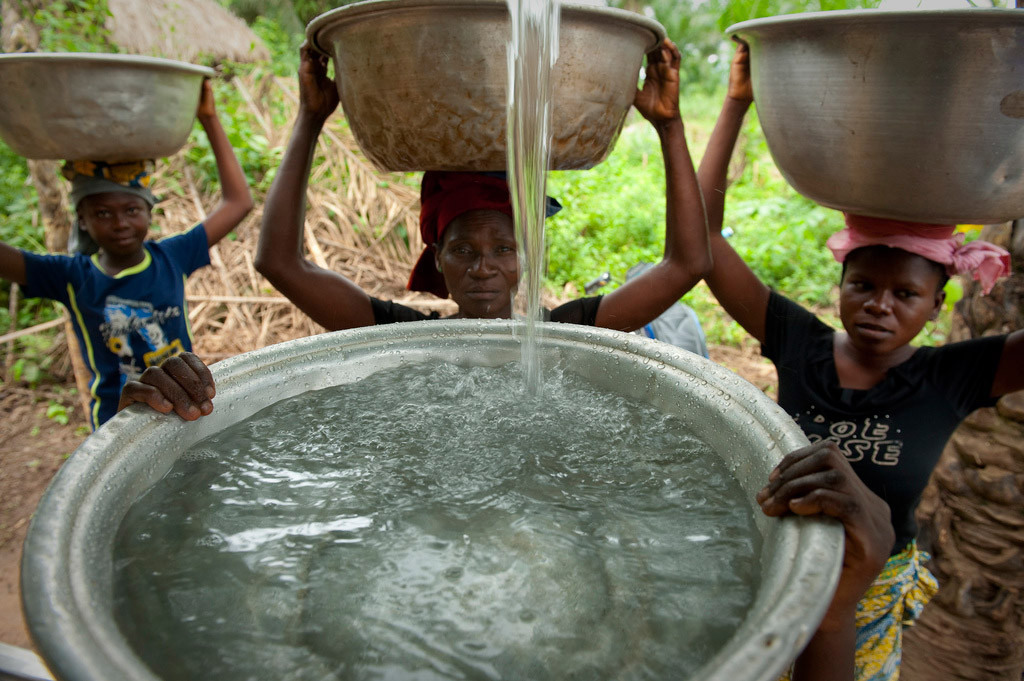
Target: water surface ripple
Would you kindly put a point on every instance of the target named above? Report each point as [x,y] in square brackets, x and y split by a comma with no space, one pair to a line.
[439,522]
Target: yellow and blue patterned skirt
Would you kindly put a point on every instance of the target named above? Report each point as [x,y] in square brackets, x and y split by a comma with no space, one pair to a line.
[893,601]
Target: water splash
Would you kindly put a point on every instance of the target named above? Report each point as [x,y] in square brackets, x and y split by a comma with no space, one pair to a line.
[532,52]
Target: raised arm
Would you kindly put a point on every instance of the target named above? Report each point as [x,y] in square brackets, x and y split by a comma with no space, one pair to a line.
[236,200]
[817,480]
[737,288]
[687,258]
[12,264]
[327,297]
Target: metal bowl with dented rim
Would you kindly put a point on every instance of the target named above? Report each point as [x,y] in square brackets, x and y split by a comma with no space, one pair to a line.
[67,569]
[911,115]
[110,107]
[424,82]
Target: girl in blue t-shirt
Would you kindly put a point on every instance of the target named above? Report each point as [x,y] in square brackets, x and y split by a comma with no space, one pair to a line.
[127,299]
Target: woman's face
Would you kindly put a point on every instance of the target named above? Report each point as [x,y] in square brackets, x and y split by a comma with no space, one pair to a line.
[886,297]
[477,257]
[117,221]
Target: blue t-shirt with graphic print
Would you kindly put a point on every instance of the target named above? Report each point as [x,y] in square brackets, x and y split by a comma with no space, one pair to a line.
[126,322]
[893,433]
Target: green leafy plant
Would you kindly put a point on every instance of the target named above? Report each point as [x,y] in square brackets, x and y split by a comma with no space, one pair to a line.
[74,26]
[57,412]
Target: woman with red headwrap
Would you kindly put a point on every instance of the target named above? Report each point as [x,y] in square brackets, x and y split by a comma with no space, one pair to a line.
[466,224]
[867,393]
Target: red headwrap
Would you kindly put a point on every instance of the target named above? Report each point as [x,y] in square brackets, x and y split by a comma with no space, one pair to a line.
[445,196]
[939,243]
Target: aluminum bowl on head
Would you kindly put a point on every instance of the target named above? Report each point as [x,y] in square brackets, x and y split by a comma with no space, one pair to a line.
[109,107]
[911,115]
[424,82]
[67,568]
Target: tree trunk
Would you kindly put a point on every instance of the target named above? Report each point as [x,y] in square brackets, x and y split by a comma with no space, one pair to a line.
[973,512]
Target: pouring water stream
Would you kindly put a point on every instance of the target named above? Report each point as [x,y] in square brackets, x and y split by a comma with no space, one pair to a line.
[532,52]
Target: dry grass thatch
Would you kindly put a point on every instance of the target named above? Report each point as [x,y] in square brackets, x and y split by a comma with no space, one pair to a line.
[184,30]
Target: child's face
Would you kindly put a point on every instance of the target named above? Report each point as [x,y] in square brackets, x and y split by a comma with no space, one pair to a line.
[887,296]
[117,222]
[478,260]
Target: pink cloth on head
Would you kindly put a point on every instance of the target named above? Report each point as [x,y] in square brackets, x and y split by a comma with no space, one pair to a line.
[939,243]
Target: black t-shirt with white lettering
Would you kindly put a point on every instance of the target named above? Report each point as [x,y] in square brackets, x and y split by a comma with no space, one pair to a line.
[893,433]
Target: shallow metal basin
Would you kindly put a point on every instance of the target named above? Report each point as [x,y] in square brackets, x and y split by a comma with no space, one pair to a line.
[914,115]
[423,82]
[67,570]
[109,107]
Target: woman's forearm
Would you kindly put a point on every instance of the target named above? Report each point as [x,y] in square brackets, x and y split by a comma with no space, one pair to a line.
[281,235]
[830,654]
[234,186]
[714,166]
[686,236]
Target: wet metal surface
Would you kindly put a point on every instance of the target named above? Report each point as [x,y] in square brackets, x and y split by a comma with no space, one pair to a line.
[911,115]
[109,107]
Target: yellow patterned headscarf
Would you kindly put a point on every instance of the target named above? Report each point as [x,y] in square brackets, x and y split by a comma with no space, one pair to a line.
[98,177]
[128,173]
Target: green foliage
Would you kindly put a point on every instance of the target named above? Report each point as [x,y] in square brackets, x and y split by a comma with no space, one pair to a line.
[244,132]
[291,15]
[74,26]
[20,228]
[19,222]
[33,362]
[735,11]
[615,216]
[57,412]
[283,46]
[698,28]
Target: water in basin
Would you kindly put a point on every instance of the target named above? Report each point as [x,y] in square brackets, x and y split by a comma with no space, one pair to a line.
[440,522]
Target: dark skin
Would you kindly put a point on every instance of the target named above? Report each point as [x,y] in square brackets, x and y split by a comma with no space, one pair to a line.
[817,480]
[885,299]
[335,302]
[477,257]
[119,222]
[182,384]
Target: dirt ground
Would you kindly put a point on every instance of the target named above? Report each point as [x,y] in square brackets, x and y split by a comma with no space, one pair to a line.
[33,447]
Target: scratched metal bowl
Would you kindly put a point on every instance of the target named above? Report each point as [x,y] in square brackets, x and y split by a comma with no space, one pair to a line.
[913,115]
[423,82]
[110,107]
[67,572]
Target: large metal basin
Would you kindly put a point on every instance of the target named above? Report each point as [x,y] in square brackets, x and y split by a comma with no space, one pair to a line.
[67,566]
[109,107]
[913,115]
[423,82]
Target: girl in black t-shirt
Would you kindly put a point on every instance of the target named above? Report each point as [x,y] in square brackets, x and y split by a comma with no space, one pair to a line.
[887,406]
